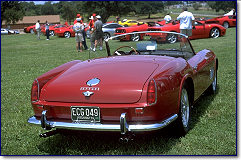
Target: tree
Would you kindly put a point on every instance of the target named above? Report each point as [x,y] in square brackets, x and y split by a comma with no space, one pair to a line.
[196,6]
[67,10]
[222,5]
[107,8]
[11,12]
[48,9]
[148,7]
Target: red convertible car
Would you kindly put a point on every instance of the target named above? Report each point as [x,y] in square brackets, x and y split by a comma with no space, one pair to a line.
[52,29]
[202,30]
[139,86]
[226,21]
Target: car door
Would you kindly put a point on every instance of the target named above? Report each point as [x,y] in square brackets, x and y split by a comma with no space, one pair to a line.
[203,68]
[199,30]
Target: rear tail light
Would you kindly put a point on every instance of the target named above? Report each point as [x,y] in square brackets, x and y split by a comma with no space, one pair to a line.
[35,91]
[151,92]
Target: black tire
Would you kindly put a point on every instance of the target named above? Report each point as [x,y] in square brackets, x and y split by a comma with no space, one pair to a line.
[106,35]
[31,31]
[135,37]
[214,33]
[51,33]
[67,34]
[183,120]
[225,24]
[171,38]
[212,89]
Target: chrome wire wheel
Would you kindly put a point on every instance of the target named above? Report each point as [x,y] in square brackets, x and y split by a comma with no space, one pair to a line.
[215,33]
[214,83]
[185,108]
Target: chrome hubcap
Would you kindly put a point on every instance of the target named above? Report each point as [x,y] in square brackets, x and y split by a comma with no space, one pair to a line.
[215,33]
[67,35]
[185,108]
[135,37]
[172,39]
[214,83]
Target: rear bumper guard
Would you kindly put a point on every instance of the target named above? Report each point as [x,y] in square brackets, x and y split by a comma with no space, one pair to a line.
[123,127]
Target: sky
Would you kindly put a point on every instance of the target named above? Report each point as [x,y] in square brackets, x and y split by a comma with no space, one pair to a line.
[41,2]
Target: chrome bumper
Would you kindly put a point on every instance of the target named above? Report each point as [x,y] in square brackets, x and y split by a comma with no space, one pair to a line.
[123,127]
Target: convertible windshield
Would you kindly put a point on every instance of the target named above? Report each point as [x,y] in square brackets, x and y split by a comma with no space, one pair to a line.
[150,43]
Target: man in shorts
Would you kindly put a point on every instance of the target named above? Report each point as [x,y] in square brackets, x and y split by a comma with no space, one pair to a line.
[98,33]
[186,22]
[78,28]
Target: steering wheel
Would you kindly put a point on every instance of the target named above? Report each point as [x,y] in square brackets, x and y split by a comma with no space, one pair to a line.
[133,50]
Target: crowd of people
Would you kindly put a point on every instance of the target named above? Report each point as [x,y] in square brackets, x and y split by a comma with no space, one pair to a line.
[96,34]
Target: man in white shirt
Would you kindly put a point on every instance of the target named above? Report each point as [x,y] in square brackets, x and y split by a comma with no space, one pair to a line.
[37,27]
[167,18]
[186,22]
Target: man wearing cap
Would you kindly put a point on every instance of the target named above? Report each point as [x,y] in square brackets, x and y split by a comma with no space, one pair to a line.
[78,28]
[91,25]
[83,31]
[98,33]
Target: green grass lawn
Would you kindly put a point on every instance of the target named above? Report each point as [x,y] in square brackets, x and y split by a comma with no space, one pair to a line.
[23,58]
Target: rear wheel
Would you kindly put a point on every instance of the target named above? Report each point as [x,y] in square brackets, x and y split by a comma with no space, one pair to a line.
[51,33]
[67,34]
[184,113]
[225,24]
[171,38]
[106,35]
[135,37]
[31,31]
[214,33]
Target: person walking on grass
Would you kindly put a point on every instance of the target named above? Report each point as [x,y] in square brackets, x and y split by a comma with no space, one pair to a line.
[78,28]
[47,30]
[37,27]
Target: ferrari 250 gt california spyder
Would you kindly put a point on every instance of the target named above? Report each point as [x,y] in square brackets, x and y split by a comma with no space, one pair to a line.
[139,86]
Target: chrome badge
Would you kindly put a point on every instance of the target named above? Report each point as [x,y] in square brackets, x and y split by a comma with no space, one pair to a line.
[93,82]
[88,93]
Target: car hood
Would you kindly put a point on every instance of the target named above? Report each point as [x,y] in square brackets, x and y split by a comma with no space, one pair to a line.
[121,80]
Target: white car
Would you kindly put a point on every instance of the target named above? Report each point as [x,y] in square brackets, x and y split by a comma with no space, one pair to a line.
[4,31]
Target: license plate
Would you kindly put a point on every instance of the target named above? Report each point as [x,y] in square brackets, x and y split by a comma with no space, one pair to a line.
[85,114]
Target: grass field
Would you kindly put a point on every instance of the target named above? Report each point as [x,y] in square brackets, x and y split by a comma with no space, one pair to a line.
[23,58]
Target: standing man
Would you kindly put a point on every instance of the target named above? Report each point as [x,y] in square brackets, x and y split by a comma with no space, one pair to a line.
[167,18]
[98,33]
[78,27]
[37,27]
[186,22]
[47,30]
[83,31]
[92,34]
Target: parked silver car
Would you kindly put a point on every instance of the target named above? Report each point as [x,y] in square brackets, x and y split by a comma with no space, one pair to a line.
[108,29]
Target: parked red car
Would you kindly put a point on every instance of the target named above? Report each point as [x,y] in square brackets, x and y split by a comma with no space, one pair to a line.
[202,30]
[52,29]
[141,87]
[29,29]
[135,28]
[66,32]
[226,21]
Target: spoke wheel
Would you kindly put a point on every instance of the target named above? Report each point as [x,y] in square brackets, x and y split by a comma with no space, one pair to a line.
[213,87]
[106,35]
[182,123]
[214,33]
[226,24]
[66,34]
[51,33]
[135,37]
[171,38]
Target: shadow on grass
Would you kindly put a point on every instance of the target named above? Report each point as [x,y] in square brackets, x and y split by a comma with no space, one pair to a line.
[107,143]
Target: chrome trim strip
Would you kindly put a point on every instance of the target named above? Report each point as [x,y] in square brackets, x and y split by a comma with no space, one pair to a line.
[104,127]
[124,127]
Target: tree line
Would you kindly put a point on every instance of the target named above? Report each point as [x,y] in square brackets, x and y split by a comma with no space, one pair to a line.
[12,11]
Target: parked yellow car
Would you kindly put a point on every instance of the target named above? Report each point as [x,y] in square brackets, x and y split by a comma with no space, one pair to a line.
[128,23]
